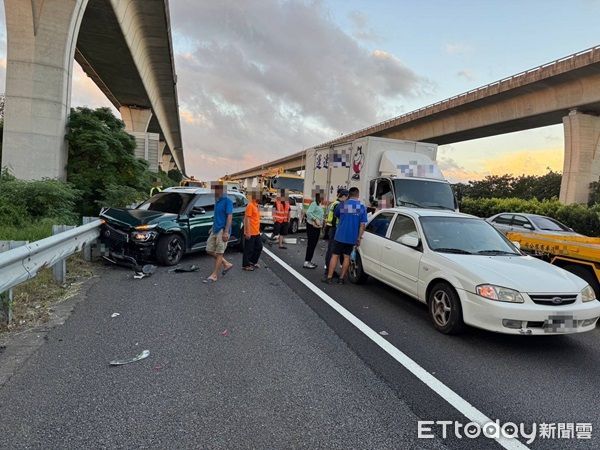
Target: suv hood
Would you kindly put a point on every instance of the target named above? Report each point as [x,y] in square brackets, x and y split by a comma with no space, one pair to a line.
[523,273]
[133,217]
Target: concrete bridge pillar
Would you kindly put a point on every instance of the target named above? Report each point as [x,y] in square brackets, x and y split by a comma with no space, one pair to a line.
[582,156]
[136,119]
[41,39]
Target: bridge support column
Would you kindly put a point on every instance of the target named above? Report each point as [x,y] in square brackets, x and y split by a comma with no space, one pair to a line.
[582,156]
[41,39]
[136,119]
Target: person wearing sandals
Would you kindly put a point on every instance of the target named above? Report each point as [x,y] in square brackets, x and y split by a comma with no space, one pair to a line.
[219,233]
[314,222]
[252,241]
[282,217]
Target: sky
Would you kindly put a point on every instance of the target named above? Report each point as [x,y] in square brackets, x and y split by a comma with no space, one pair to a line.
[260,79]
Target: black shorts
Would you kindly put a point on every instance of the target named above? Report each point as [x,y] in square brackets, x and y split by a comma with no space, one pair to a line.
[280,228]
[340,248]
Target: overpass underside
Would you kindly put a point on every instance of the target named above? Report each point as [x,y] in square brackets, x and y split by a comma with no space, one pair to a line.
[123,45]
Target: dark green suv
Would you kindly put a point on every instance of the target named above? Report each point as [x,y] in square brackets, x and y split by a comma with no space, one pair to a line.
[166,226]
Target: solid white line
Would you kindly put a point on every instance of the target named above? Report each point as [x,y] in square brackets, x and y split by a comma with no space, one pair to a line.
[455,400]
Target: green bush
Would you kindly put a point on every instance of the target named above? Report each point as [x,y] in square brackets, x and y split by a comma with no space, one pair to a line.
[583,219]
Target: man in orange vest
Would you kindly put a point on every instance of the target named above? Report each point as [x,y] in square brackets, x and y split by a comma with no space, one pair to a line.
[281,217]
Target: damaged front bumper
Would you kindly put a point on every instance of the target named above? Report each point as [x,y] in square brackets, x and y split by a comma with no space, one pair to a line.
[121,247]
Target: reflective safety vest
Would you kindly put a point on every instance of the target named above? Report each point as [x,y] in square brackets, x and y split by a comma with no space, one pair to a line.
[155,190]
[282,210]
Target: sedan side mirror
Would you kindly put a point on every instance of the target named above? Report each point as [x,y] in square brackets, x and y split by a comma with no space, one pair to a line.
[410,241]
[198,210]
[516,244]
[528,226]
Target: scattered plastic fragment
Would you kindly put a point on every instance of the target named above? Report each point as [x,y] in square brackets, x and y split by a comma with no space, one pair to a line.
[115,315]
[148,269]
[365,307]
[120,362]
[225,332]
[192,268]
[290,240]
[383,333]
[140,275]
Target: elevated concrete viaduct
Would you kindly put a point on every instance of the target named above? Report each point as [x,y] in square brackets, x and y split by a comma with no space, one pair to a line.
[123,45]
[564,91]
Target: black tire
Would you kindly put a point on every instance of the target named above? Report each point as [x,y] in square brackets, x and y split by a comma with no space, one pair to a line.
[445,309]
[294,226]
[587,275]
[170,249]
[356,274]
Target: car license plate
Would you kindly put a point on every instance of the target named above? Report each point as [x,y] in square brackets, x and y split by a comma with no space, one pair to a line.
[560,324]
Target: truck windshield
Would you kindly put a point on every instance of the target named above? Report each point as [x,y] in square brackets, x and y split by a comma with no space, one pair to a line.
[423,193]
[289,184]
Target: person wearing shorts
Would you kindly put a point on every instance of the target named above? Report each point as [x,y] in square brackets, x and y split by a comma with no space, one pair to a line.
[352,216]
[219,233]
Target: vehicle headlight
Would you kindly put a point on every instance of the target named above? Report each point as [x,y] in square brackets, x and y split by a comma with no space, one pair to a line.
[143,236]
[588,294]
[146,227]
[499,293]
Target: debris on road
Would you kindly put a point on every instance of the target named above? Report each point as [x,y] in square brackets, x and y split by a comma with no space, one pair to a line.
[192,268]
[146,271]
[115,315]
[120,362]
[290,241]
[225,332]
[383,333]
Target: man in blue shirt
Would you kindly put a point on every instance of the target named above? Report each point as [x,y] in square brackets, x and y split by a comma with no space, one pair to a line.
[219,233]
[352,216]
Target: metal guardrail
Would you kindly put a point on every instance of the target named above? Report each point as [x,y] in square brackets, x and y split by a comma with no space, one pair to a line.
[23,263]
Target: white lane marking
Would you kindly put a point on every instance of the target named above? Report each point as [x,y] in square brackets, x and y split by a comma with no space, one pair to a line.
[455,400]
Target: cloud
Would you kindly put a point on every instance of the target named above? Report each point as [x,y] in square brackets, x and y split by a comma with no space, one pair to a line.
[466,74]
[526,162]
[457,48]
[266,78]
[84,91]
[361,30]
[456,173]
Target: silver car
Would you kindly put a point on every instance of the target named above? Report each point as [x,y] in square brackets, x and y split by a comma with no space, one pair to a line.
[529,223]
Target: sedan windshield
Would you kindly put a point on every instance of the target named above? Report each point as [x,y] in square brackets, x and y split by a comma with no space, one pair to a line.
[547,224]
[423,194]
[167,202]
[463,235]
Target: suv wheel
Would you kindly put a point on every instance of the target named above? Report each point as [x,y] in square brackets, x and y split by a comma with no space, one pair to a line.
[445,309]
[170,249]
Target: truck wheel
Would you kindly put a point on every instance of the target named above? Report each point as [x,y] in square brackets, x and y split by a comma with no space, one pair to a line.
[587,275]
[356,274]
[294,226]
[445,309]
[170,249]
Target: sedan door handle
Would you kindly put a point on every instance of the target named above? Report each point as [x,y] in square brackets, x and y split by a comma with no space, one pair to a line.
[389,247]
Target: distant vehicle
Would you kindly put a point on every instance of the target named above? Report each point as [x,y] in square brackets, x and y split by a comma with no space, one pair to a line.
[469,273]
[297,215]
[388,172]
[533,223]
[170,224]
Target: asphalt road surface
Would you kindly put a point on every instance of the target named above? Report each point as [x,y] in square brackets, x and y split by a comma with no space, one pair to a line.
[259,360]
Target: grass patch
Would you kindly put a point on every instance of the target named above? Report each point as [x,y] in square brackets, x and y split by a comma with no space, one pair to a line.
[33,300]
[32,232]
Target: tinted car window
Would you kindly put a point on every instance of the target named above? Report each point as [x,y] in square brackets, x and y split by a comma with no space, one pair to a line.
[503,219]
[238,200]
[167,202]
[520,221]
[403,226]
[379,224]
[548,224]
[206,201]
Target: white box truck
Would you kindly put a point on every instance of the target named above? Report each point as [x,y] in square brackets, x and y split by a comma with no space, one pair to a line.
[388,172]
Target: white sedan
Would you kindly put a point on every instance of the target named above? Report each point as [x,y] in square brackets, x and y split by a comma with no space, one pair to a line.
[469,273]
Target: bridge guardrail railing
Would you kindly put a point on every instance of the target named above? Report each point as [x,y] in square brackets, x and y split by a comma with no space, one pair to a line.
[23,263]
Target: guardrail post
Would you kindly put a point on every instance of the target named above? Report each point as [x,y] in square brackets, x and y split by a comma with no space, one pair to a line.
[60,268]
[90,251]
[6,298]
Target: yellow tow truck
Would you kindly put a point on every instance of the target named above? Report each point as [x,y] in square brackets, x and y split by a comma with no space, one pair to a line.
[577,254]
